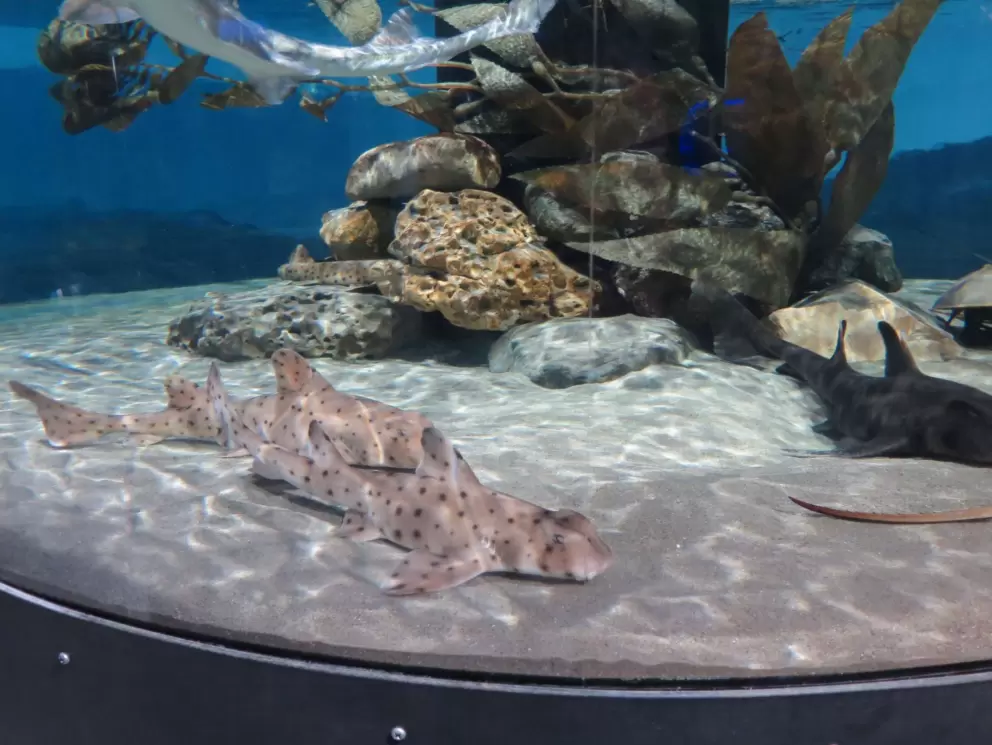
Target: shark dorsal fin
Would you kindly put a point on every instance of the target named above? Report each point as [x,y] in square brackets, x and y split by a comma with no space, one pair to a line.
[323,451]
[840,351]
[399,30]
[182,393]
[439,459]
[898,359]
[292,371]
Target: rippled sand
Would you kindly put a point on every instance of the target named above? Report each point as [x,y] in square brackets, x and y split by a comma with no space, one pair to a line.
[682,467]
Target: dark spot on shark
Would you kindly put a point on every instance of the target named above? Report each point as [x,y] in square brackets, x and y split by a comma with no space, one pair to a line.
[418,512]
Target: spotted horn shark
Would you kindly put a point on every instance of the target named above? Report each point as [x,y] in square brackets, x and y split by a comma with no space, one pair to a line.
[275,63]
[368,432]
[905,413]
[455,528]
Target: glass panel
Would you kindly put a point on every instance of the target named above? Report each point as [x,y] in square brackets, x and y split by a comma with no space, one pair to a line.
[499,338]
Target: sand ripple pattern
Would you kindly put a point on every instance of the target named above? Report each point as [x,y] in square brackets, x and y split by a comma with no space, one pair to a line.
[682,467]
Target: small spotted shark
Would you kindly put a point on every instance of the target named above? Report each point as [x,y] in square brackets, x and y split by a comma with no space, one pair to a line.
[368,432]
[456,528]
[275,64]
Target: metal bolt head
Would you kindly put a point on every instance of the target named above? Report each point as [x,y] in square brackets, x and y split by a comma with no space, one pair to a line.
[398,734]
[63,658]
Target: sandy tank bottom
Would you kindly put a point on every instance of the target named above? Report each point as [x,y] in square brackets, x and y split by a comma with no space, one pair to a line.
[682,468]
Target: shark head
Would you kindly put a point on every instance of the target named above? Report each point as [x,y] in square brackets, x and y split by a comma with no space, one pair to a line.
[955,421]
[961,427]
[572,548]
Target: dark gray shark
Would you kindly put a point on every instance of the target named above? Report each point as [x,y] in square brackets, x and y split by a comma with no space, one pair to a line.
[905,413]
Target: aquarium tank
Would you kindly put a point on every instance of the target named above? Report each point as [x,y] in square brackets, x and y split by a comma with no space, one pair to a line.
[623,340]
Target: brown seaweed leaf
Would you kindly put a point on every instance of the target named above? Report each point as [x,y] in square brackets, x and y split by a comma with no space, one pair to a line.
[239,95]
[871,72]
[760,264]
[181,78]
[642,188]
[317,108]
[769,132]
[512,93]
[127,112]
[814,73]
[175,47]
[358,20]
[519,50]
[856,185]
[432,107]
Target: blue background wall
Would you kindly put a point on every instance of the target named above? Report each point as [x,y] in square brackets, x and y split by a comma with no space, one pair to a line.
[280,168]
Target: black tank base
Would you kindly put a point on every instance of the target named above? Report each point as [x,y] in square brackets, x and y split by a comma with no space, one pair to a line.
[69,678]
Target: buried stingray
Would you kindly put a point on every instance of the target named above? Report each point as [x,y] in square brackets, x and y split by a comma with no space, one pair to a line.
[455,528]
[905,413]
[368,432]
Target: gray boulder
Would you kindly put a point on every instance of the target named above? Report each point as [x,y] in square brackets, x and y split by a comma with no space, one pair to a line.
[316,321]
[564,352]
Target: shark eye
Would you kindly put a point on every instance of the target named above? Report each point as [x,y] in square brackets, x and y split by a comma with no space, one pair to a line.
[558,538]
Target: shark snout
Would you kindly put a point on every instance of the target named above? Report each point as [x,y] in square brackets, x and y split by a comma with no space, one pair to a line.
[593,562]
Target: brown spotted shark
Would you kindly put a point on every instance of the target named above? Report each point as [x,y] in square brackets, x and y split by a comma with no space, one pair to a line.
[368,432]
[455,528]
[905,413]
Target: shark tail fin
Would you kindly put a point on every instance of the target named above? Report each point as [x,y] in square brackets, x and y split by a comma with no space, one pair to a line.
[737,334]
[66,425]
[397,31]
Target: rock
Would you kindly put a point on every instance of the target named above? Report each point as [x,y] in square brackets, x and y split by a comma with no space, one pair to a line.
[561,222]
[864,254]
[474,257]
[362,230]
[315,321]
[650,292]
[442,162]
[757,263]
[632,184]
[573,351]
[302,268]
[813,324]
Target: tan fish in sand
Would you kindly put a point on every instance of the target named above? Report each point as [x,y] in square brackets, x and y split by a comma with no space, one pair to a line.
[456,528]
[368,432]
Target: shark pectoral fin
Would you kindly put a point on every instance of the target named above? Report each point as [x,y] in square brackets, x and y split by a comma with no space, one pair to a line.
[275,90]
[357,526]
[422,572]
[95,13]
[891,445]
[239,453]
[786,369]
[825,427]
[147,440]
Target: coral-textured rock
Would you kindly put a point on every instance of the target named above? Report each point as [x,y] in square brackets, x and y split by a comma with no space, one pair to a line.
[314,321]
[362,230]
[488,269]
[341,273]
[574,351]
[443,162]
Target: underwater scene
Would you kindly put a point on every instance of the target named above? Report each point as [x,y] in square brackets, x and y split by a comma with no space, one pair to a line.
[623,339]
